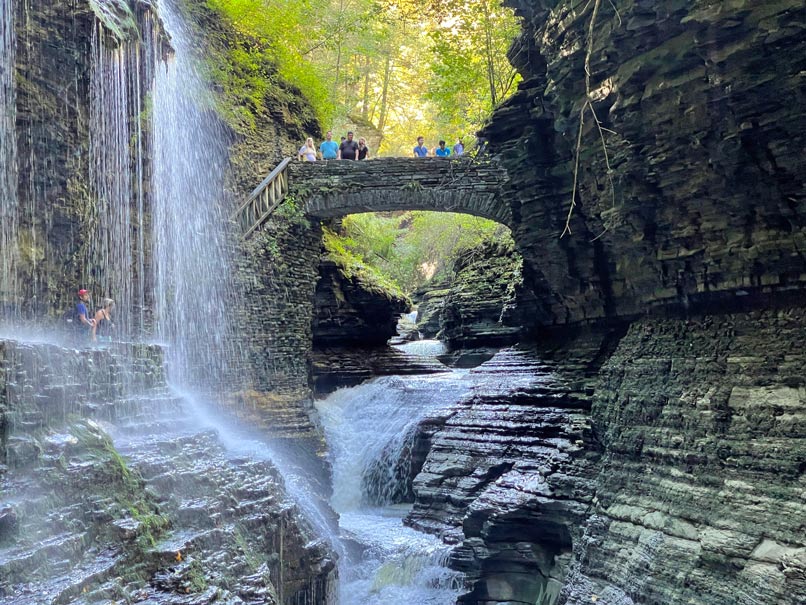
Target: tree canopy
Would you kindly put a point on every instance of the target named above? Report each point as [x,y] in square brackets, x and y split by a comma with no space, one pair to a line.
[391,69]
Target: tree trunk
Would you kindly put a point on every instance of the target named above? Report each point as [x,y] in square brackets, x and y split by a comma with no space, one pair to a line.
[365,103]
[386,74]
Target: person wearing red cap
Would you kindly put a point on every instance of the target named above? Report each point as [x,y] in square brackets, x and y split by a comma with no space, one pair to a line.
[82,316]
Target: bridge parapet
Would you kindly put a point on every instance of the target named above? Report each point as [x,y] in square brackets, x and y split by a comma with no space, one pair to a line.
[337,188]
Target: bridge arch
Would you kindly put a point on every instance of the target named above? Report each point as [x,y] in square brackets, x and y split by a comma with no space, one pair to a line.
[339,188]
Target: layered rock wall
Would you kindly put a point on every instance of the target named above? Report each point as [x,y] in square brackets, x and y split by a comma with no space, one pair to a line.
[348,311]
[699,492]
[158,512]
[485,303]
[704,140]
[278,271]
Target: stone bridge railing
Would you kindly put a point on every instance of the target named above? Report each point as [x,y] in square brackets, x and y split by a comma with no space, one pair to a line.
[337,188]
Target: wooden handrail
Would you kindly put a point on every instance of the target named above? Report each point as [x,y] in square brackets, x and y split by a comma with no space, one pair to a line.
[263,200]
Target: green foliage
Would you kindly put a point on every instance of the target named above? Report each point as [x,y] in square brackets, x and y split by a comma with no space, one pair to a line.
[266,51]
[392,69]
[117,18]
[341,250]
[413,247]
[291,210]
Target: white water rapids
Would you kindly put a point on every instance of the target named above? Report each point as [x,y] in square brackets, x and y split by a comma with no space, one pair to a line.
[370,427]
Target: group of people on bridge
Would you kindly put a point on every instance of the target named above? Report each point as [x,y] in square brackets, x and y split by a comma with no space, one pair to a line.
[440,151]
[350,149]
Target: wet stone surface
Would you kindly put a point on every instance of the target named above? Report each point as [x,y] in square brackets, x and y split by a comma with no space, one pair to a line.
[143,504]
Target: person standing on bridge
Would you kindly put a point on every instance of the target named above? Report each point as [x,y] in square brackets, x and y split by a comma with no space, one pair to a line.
[421,151]
[348,150]
[308,152]
[329,148]
[442,151]
[363,150]
[459,148]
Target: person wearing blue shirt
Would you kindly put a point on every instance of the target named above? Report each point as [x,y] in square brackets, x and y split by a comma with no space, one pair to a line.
[82,321]
[442,151]
[459,148]
[421,150]
[329,148]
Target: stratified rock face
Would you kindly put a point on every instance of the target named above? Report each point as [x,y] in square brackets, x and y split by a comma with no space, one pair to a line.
[350,312]
[481,306]
[338,367]
[699,497]
[431,300]
[277,272]
[510,474]
[702,102]
[161,512]
[683,484]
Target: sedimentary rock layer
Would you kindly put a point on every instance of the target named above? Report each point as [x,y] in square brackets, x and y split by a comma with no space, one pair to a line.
[702,103]
[699,496]
[350,312]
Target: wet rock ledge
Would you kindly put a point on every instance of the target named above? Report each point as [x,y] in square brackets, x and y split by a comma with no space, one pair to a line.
[111,491]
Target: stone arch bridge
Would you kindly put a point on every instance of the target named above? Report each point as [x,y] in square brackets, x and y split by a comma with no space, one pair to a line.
[338,188]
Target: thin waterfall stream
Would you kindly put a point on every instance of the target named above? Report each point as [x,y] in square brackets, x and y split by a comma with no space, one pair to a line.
[8,154]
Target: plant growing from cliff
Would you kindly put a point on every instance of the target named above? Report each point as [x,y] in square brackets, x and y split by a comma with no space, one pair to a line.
[587,105]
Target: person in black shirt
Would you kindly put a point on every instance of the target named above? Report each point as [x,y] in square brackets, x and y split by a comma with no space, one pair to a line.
[363,150]
[349,148]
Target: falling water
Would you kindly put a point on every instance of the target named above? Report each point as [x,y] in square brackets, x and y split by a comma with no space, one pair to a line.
[8,158]
[369,432]
[113,65]
[192,273]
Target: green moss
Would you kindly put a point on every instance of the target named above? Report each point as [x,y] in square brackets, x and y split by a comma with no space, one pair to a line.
[353,267]
[124,485]
[116,17]
[251,85]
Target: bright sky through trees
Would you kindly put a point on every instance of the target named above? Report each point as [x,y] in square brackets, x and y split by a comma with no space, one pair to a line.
[389,69]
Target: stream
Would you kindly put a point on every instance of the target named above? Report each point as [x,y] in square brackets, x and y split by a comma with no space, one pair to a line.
[369,431]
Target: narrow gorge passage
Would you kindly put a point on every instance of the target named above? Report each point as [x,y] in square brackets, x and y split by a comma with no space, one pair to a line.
[614,408]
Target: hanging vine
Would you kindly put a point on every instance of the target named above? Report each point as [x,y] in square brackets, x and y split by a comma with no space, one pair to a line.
[587,105]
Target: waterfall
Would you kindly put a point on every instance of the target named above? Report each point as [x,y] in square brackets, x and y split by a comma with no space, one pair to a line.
[110,251]
[369,431]
[8,159]
[193,278]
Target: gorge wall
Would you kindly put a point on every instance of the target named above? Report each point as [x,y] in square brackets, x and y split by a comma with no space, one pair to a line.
[702,139]
[674,474]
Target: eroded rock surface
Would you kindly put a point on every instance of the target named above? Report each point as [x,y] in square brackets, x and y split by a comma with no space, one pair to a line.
[703,100]
[161,512]
[699,496]
[349,311]
[509,476]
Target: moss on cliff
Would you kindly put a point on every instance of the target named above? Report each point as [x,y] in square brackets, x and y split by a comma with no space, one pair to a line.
[354,268]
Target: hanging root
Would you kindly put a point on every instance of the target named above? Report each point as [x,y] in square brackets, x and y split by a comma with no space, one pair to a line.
[588,105]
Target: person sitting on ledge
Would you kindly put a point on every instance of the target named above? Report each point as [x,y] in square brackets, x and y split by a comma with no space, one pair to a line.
[103,326]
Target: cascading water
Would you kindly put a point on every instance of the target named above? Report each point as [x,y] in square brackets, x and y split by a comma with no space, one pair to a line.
[116,94]
[369,430]
[8,158]
[193,280]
